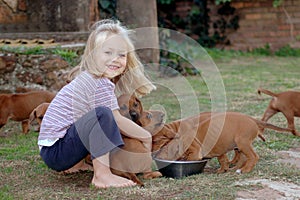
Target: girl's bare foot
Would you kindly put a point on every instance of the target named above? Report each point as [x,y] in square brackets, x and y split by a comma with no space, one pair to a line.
[103,177]
[81,166]
[111,180]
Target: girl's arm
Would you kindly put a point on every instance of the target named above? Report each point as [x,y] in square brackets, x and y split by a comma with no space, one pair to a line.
[131,129]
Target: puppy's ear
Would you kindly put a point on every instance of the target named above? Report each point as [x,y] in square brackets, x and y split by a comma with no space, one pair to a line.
[140,103]
[32,116]
[169,133]
[124,110]
[165,132]
[173,150]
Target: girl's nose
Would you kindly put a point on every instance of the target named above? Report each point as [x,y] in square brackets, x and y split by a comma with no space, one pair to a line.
[115,58]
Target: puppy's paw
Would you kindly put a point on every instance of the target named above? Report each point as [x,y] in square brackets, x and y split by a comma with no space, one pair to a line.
[150,175]
[239,171]
[220,171]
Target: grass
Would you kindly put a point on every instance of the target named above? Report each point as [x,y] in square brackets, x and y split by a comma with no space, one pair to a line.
[25,176]
[68,55]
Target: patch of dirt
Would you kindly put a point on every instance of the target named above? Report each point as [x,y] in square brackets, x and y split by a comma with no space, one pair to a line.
[273,189]
[13,127]
[10,128]
[292,157]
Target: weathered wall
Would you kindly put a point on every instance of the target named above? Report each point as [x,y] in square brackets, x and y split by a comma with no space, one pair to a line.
[139,14]
[47,15]
[68,21]
[260,24]
[19,73]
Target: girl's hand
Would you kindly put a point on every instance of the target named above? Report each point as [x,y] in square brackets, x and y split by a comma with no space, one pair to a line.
[131,129]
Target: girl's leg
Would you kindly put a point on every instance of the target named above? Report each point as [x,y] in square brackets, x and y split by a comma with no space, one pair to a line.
[96,133]
[65,152]
[100,134]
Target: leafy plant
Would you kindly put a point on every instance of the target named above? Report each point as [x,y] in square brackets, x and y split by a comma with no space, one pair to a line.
[165,1]
[264,51]
[23,50]
[180,59]
[107,8]
[196,23]
[218,2]
[227,20]
[277,3]
[287,51]
[67,54]
[224,54]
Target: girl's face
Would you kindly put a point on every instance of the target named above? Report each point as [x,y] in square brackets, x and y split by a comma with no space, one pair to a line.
[111,57]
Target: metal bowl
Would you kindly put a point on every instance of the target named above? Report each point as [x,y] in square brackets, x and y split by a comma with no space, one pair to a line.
[179,169]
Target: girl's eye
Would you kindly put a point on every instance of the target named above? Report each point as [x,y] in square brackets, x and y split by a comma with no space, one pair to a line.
[122,55]
[108,52]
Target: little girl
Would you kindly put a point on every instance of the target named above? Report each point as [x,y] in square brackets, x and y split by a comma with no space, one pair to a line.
[84,116]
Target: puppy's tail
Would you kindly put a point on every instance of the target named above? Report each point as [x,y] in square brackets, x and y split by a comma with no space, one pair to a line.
[262,125]
[260,90]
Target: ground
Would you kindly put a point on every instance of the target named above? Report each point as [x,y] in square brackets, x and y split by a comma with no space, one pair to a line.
[258,189]
[267,189]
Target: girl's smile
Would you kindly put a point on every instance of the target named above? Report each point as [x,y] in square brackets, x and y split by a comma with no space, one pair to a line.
[111,57]
[114,67]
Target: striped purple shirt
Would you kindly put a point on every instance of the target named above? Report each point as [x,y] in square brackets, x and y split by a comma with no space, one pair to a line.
[74,100]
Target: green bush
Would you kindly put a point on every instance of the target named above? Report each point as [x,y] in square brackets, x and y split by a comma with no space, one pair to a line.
[263,51]
[67,55]
[287,51]
[23,50]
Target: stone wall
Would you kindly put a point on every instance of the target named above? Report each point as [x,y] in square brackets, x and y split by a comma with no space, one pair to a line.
[20,73]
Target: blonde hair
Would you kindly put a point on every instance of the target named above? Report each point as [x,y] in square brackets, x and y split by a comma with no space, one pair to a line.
[133,79]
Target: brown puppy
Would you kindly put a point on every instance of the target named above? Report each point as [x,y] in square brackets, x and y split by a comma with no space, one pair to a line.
[210,135]
[130,106]
[18,106]
[286,102]
[126,161]
[38,113]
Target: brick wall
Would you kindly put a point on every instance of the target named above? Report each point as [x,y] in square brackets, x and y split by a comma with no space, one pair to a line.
[260,24]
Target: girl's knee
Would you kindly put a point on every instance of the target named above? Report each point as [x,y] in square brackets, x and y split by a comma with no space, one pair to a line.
[104,111]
